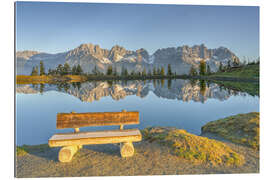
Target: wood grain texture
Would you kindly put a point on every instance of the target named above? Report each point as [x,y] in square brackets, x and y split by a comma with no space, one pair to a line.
[98,137]
[76,120]
[126,149]
[66,153]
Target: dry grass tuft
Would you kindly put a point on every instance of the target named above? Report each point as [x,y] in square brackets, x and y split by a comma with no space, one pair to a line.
[195,148]
[241,128]
[20,151]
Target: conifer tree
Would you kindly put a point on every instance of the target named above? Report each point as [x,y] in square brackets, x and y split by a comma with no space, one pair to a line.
[66,69]
[144,72]
[169,73]
[154,71]
[208,69]
[193,71]
[202,67]
[162,71]
[34,71]
[109,70]
[41,68]
[79,70]
[220,69]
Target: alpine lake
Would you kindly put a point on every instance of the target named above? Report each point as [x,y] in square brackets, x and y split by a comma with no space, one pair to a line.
[181,103]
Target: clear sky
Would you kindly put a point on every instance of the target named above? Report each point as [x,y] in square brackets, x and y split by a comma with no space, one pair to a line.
[58,27]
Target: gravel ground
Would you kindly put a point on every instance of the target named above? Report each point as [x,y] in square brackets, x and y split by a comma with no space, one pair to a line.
[105,160]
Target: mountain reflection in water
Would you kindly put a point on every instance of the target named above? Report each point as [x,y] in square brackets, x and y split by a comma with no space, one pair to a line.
[183,90]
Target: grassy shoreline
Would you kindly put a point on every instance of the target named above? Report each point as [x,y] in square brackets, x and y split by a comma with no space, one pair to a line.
[160,146]
[241,128]
[248,73]
[26,79]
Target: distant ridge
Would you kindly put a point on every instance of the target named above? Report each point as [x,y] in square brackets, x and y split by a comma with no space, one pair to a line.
[89,55]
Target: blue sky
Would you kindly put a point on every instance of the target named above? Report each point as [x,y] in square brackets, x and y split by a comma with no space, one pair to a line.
[58,27]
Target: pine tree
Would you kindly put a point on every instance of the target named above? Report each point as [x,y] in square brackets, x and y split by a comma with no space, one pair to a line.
[49,71]
[59,69]
[79,70]
[154,71]
[229,65]
[202,67]
[149,72]
[208,69]
[144,72]
[109,70]
[41,68]
[125,72]
[66,69]
[114,71]
[169,73]
[162,71]
[132,73]
[74,70]
[95,71]
[220,69]
[193,71]
[34,71]
[158,71]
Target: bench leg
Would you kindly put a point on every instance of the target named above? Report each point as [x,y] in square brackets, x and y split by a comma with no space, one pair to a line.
[66,153]
[126,149]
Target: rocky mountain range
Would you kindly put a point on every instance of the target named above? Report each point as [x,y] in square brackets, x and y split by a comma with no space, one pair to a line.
[89,55]
[178,89]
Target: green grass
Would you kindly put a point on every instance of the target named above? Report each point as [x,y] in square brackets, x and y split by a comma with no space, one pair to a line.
[246,72]
[21,151]
[242,128]
[250,88]
[25,149]
[197,149]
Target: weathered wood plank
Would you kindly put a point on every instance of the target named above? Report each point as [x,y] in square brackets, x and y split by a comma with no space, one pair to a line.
[76,120]
[97,137]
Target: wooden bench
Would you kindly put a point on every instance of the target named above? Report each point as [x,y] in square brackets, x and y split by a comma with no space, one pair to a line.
[71,142]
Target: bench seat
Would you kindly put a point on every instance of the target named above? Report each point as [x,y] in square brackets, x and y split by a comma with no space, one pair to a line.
[97,137]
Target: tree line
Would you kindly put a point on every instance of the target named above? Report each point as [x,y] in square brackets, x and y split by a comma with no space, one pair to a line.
[204,69]
[159,71]
[59,70]
[111,71]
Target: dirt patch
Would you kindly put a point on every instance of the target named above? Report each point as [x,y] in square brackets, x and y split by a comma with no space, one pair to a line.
[105,160]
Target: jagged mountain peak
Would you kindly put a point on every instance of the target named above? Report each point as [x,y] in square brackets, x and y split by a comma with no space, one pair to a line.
[89,55]
[26,54]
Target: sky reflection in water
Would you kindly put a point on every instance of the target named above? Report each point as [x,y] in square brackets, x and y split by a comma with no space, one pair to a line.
[177,103]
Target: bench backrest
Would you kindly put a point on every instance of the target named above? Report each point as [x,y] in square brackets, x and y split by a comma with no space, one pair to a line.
[77,120]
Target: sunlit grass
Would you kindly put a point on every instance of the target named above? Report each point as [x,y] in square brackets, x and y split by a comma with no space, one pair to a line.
[197,149]
[25,79]
[241,128]
[21,151]
[249,71]
[25,149]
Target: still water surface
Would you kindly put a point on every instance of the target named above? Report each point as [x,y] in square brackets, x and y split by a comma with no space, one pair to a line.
[175,103]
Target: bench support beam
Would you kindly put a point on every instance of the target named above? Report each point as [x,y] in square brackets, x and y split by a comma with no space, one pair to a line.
[126,149]
[66,153]
[76,130]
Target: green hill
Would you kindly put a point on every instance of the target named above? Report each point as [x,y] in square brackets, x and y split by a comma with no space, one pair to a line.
[251,71]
